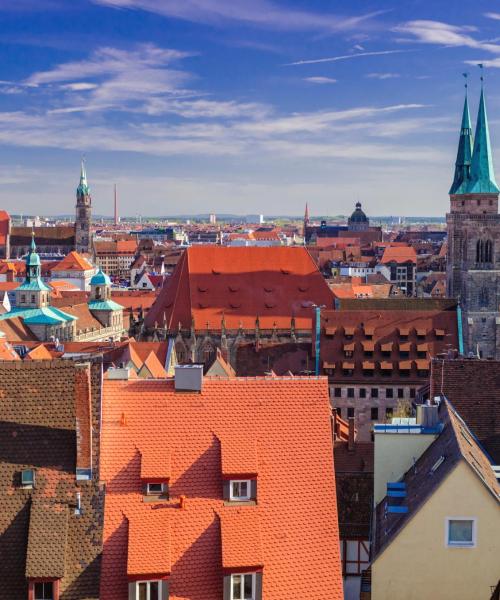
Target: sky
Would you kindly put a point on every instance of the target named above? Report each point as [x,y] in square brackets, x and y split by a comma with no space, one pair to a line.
[240,106]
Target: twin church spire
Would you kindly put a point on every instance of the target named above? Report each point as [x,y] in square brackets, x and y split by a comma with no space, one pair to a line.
[474,173]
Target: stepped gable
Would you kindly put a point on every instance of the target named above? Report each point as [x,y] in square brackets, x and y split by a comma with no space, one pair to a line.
[239,284]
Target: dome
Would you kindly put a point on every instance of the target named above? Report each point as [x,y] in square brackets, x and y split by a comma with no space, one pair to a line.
[358,216]
[100,278]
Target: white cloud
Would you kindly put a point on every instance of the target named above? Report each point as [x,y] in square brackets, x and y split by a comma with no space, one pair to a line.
[444,34]
[492,15]
[382,75]
[260,13]
[491,62]
[320,80]
[79,86]
[315,61]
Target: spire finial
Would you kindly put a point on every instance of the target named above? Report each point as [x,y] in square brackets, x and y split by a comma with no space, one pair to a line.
[465,75]
[481,67]
[33,245]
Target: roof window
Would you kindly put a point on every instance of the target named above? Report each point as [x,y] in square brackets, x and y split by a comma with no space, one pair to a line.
[243,586]
[28,478]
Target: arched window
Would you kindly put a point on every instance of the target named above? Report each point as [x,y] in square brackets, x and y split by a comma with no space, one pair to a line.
[484,251]
[98,292]
[488,254]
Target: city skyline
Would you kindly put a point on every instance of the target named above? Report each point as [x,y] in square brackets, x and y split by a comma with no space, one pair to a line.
[254,108]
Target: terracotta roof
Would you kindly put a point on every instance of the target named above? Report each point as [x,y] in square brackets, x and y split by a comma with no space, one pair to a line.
[385,328]
[155,462]
[240,284]
[58,235]
[299,540]
[15,330]
[38,430]
[7,352]
[38,353]
[127,247]
[239,457]
[86,319]
[152,367]
[399,254]
[241,539]
[472,387]
[149,542]
[73,262]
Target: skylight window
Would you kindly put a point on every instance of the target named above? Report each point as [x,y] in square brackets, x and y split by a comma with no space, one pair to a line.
[28,478]
[437,464]
[240,489]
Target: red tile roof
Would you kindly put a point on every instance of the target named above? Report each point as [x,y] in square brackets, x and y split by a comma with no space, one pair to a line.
[238,284]
[155,462]
[299,539]
[399,254]
[73,262]
[148,550]
[241,539]
[239,457]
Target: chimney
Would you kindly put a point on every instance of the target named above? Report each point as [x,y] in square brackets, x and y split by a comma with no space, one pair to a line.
[427,415]
[350,439]
[188,378]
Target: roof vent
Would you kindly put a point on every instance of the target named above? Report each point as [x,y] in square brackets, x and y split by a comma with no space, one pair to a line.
[188,378]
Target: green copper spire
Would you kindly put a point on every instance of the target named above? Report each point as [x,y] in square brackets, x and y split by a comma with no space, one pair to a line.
[464,155]
[83,187]
[482,173]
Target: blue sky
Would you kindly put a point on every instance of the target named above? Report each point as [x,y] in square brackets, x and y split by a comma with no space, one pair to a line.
[240,106]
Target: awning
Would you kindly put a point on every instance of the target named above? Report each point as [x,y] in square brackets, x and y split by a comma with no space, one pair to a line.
[349,330]
[422,347]
[327,365]
[386,347]
[368,365]
[406,347]
[421,331]
[369,330]
[386,366]
[422,364]
[405,365]
[404,331]
[349,347]
[368,346]
[330,330]
[440,332]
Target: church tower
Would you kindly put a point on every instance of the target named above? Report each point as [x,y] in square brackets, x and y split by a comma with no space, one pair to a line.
[473,260]
[83,214]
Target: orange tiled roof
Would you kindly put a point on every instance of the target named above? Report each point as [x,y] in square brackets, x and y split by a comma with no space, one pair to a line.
[39,353]
[153,367]
[238,284]
[148,542]
[299,540]
[239,457]
[241,540]
[399,254]
[7,352]
[155,462]
[73,262]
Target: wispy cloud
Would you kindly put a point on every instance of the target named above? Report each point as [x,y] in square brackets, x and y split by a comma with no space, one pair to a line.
[320,80]
[493,63]
[382,75]
[492,15]
[345,57]
[260,13]
[444,34]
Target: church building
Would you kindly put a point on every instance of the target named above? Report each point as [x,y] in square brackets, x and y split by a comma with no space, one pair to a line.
[473,261]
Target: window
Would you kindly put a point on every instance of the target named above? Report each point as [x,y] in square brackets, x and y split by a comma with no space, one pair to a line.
[389,393]
[148,590]
[240,490]
[401,393]
[460,532]
[350,412]
[243,586]
[362,392]
[389,412]
[374,392]
[28,478]
[155,489]
[350,392]
[23,298]
[374,413]
[413,393]
[337,392]
[44,591]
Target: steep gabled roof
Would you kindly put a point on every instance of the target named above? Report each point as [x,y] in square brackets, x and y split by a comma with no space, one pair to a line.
[399,254]
[239,284]
[299,539]
[73,262]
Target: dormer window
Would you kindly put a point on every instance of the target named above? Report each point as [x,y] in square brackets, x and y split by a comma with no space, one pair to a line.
[28,478]
[157,489]
[243,586]
[44,590]
[240,489]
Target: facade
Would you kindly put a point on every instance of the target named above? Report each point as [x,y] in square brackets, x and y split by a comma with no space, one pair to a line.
[437,529]
[51,501]
[377,354]
[115,257]
[473,261]
[401,265]
[225,297]
[74,269]
[201,497]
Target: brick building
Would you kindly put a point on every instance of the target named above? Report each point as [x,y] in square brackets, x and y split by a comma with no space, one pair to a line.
[377,354]
[474,237]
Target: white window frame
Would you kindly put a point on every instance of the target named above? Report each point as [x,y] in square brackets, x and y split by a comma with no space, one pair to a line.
[242,589]
[163,488]
[449,544]
[240,498]
[148,581]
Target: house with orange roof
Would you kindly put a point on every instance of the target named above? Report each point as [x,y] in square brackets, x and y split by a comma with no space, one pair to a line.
[75,269]
[399,264]
[115,257]
[221,296]
[201,496]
